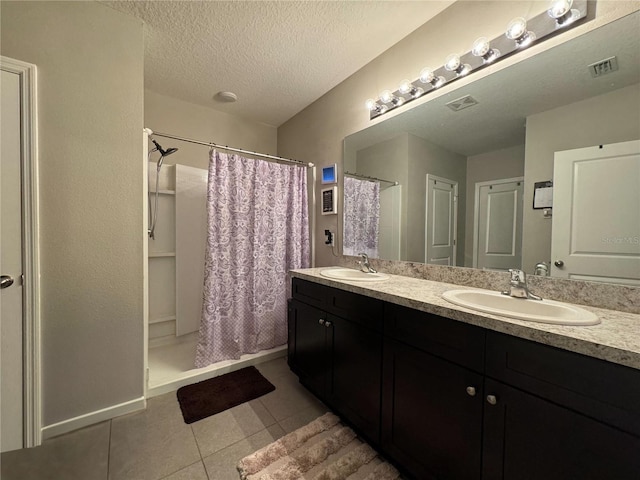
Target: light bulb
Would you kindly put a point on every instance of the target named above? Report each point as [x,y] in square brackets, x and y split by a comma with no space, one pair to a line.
[482,48]
[405,87]
[371,104]
[563,13]
[426,75]
[453,64]
[386,96]
[516,28]
[517,31]
[559,8]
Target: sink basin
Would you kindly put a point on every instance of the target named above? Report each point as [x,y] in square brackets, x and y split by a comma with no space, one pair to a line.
[545,311]
[352,275]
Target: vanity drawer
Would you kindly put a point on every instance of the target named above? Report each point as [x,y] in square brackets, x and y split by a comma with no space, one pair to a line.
[310,293]
[602,390]
[357,308]
[449,339]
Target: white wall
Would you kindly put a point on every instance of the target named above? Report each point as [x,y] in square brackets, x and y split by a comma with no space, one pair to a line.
[316,134]
[609,118]
[176,117]
[90,94]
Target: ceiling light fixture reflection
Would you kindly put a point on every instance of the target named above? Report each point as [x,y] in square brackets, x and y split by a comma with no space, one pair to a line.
[517,31]
[482,48]
[387,96]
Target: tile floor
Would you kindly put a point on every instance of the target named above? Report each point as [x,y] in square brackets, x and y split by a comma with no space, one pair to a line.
[156,443]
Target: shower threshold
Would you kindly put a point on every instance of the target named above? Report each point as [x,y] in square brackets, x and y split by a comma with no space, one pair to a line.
[171,366]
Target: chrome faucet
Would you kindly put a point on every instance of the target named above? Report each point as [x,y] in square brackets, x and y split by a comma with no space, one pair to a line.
[542,268]
[518,286]
[365,266]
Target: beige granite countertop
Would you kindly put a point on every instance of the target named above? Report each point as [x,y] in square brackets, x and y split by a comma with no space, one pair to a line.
[616,339]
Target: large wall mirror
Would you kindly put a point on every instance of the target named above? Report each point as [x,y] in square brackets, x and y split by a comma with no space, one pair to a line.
[467,179]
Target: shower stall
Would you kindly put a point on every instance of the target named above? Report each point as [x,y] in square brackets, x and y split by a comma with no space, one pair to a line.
[177,232]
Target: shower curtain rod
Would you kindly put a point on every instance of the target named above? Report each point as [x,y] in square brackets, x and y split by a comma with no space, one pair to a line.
[224,147]
[375,179]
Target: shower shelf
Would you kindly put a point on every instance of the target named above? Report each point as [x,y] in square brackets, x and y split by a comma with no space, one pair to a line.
[166,318]
[161,254]
[163,192]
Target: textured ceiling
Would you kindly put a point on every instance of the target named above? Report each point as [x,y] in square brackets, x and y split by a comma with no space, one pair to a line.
[277,56]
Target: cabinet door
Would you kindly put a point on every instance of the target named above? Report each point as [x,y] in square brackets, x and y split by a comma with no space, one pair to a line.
[431,414]
[309,356]
[526,437]
[357,364]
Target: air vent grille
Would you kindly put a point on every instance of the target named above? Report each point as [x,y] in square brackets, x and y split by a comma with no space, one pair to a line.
[462,103]
[603,67]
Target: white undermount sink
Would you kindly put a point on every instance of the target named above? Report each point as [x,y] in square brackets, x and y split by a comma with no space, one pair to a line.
[544,311]
[352,275]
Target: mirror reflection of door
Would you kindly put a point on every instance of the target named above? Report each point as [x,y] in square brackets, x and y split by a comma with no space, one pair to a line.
[596,214]
[498,224]
[441,219]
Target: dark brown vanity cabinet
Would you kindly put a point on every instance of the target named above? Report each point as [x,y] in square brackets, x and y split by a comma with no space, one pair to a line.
[335,349]
[449,400]
[432,396]
[557,415]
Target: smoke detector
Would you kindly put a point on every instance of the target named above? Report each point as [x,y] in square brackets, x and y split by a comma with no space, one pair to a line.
[226,97]
[462,103]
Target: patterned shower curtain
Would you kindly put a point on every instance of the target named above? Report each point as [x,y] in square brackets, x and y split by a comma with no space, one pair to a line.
[258,229]
[361,217]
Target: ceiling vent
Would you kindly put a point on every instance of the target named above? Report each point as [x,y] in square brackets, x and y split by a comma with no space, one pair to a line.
[603,67]
[462,103]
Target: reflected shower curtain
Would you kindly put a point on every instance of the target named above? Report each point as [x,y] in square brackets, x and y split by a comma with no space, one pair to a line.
[258,229]
[361,217]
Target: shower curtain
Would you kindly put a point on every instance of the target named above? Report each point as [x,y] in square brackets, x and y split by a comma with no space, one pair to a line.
[258,229]
[361,217]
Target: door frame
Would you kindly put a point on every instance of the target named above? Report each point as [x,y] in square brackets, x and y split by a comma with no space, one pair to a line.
[32,372]
[455,216]
[476,211]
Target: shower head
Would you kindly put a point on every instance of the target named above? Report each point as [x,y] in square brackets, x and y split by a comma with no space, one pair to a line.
[163,152]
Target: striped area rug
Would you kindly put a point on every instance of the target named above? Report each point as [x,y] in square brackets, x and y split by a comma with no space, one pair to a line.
[322,450]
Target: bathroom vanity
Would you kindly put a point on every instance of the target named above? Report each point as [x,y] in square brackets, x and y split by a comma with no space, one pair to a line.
[447,393]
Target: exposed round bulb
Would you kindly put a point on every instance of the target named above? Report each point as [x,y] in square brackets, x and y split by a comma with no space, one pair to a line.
[516,28]
[452,62]
[480,47]
[371,104]
[405,87]
[386,96]
[559,8]
[426,75]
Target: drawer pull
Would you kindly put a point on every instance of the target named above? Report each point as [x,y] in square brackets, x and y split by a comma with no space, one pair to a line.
[492,399]
[327,324]
[471,391]
[321,321]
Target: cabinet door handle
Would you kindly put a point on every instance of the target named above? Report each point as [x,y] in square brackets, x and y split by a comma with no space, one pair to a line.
[327,324]
[471,391]
[492,399]
[321,321]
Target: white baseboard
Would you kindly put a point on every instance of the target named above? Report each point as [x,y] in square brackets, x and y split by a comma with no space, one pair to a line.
[94,417]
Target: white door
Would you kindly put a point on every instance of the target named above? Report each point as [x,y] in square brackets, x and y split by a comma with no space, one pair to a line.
[441,217]
[596,213]
[498,224]
[11,396]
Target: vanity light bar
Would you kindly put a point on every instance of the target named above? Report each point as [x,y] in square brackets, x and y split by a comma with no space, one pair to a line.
[519,34]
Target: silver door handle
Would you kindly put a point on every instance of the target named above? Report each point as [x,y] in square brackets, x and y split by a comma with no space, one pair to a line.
[559,263]
[6,281]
